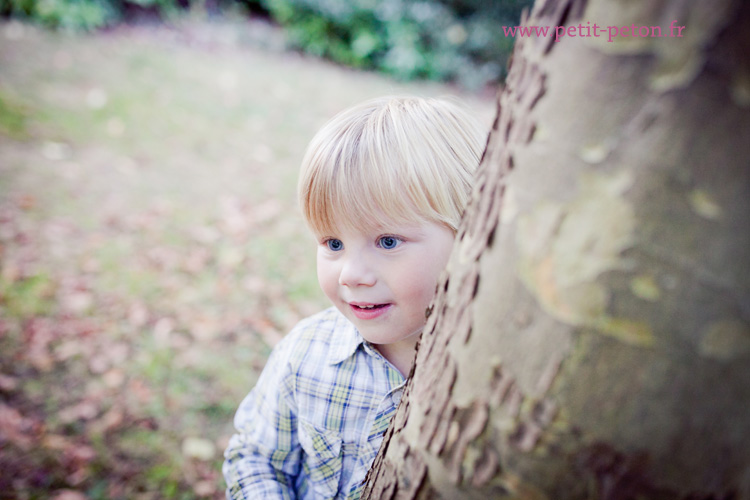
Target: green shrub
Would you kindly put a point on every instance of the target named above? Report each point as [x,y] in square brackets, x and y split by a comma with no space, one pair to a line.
[75,14]
[454,40]
[67,14]
[446,40]
[82,15]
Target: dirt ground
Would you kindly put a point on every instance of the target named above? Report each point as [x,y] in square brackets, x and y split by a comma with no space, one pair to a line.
[151,248]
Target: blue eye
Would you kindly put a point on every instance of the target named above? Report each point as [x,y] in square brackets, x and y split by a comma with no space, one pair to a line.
[334,245]
[388,242]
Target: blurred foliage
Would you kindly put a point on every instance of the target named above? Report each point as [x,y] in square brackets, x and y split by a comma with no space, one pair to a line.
[66,14]
[87,15]
[445,40]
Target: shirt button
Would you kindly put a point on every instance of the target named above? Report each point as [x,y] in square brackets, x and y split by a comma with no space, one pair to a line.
[396,397]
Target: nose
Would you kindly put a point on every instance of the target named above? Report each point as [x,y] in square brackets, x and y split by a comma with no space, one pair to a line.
[356,271]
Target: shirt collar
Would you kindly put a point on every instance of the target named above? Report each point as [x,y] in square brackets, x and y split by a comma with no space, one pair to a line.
[345,342]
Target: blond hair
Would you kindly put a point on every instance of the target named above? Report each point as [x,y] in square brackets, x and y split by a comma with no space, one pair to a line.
[392,159]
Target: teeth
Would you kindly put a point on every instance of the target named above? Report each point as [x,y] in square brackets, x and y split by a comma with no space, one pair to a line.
[365,307]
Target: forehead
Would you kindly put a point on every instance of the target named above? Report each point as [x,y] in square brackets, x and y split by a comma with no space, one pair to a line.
[374,223]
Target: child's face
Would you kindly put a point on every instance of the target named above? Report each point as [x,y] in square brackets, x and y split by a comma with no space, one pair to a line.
[383,280]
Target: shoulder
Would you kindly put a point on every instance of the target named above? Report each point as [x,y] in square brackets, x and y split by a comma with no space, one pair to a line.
[320,339]
[324,323]
[320,328]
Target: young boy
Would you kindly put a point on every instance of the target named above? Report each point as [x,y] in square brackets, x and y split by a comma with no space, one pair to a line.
[383,186]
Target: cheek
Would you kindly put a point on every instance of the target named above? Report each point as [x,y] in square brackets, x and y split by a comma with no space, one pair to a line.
[417,289]
[421,287]
[328,277]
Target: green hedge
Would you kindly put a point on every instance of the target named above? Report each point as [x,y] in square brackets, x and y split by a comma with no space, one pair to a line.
[454,40]
[446,40]
[84,15]
[68,14]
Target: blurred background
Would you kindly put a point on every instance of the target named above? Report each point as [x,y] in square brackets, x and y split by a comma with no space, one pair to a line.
[151,249]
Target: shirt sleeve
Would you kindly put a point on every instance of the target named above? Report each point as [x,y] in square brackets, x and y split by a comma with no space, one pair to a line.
[263,457]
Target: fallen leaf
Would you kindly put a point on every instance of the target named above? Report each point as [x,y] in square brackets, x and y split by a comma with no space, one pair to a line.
[69,495]
[56,442]
[115,127]
[271,335]
[205,328]
[205,234]
[204,488]
[8,383]
[114,378]
[78,476]
[68,349]
[137,315]
[230,258]
[96,98]
[81,453]
[140,390]
[39,335]
[163,258]
[118,353]
[26,202]
[111,420]
[266,211]
[197,260]
[78,302]
[14,427]
[233,219]
[200,448]
[85,410]
[98,364]
[162,331]
[56,151]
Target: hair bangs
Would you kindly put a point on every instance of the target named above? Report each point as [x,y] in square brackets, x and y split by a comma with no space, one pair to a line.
[363,194]
[390,161]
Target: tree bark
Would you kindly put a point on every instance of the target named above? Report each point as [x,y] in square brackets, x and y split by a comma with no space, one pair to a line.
[591,336]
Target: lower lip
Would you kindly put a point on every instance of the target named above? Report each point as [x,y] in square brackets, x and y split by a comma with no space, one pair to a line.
[369,313]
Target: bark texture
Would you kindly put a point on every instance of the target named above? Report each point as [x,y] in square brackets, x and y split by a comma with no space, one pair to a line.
[591,337]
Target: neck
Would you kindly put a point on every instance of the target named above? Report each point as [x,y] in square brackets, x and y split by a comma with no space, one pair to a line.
[400,355]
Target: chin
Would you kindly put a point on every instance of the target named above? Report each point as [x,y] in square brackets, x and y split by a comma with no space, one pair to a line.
[379,339]
[376,339]
[388,338]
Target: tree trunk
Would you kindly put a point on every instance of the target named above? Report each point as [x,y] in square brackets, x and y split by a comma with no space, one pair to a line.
[591,337]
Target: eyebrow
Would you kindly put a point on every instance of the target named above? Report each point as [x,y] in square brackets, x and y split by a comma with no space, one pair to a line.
[400,228]
[414,229]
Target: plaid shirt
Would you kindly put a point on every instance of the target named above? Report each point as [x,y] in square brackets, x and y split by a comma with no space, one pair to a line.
[311,427]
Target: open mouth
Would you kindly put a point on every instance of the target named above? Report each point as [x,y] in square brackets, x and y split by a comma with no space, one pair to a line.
[369,311]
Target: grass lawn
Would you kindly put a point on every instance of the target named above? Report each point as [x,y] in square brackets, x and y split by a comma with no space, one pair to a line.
[151,249]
